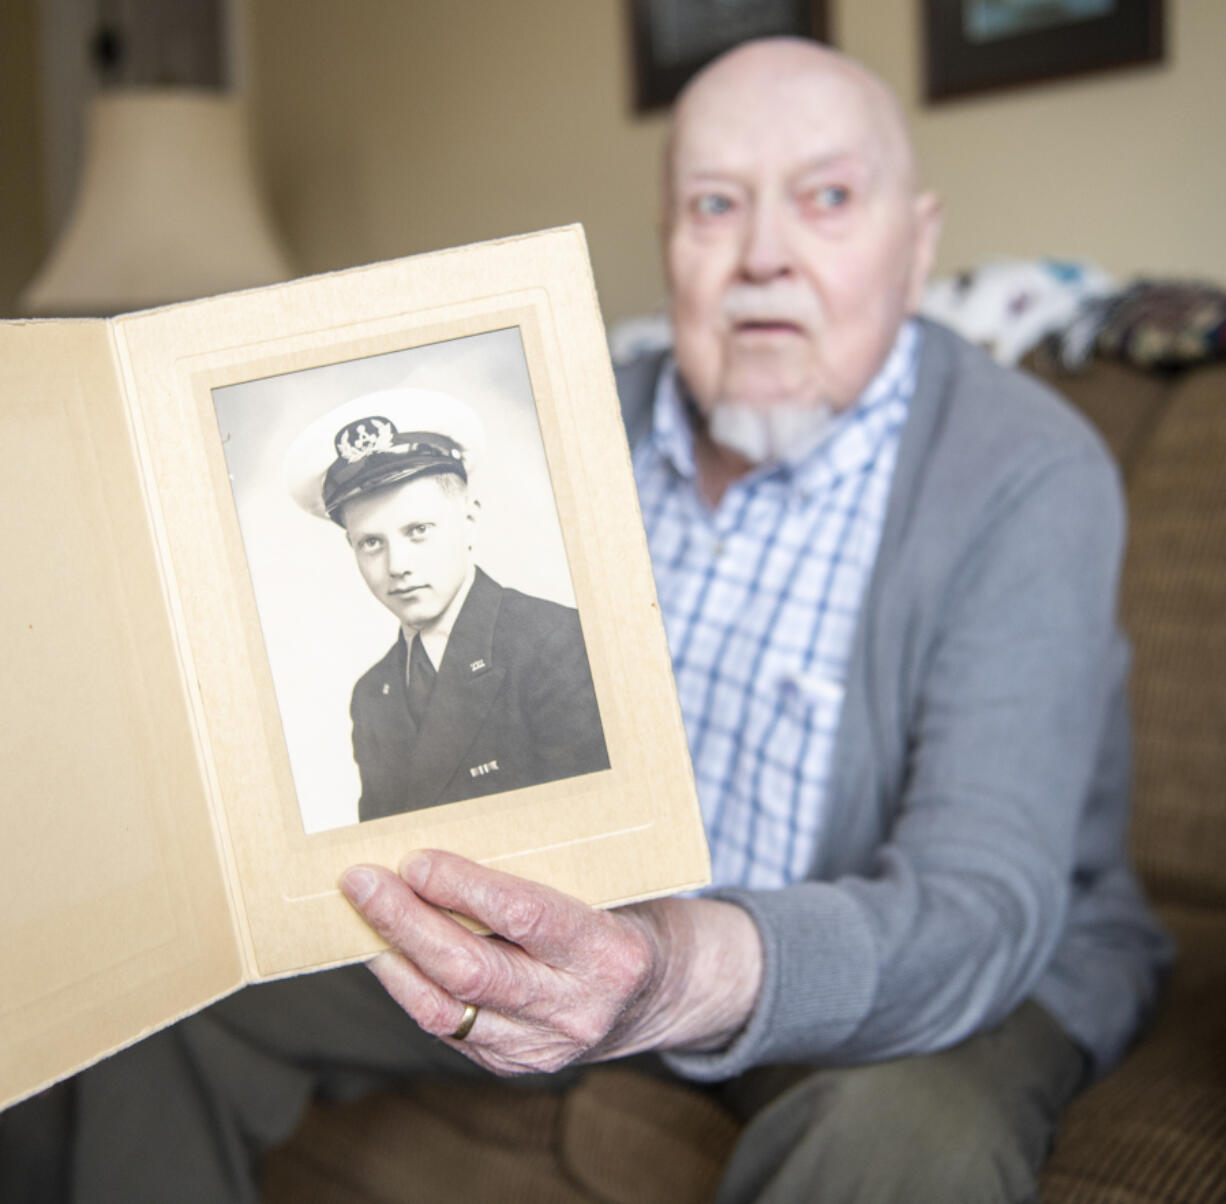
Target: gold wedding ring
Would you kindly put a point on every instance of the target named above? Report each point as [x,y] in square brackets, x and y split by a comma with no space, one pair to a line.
[466,1022]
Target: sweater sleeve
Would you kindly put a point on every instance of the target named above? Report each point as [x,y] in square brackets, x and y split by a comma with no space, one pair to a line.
[960,909]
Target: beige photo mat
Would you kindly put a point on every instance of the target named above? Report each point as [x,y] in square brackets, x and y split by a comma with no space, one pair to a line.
[609,837]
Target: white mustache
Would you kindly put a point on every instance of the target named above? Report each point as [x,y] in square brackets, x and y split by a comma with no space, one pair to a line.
[779,301]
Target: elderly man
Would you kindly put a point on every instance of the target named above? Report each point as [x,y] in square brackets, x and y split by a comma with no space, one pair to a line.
[485,689]
[888,573]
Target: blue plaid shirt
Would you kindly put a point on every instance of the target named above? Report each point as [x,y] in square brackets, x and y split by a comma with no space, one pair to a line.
[760,599]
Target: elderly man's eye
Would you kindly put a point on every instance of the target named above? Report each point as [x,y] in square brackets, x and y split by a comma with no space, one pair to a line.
[711,204]
[832,196]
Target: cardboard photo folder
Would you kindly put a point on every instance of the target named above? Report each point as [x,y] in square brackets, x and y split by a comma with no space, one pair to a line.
[179,641]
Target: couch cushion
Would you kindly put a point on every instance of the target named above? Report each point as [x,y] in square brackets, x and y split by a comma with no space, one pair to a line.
[643,1140]
[1154,1131]
[1174,607]
[1123,403]
[617,1136]
[430,1143]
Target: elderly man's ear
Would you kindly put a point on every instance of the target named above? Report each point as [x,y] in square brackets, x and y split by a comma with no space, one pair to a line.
[928,216]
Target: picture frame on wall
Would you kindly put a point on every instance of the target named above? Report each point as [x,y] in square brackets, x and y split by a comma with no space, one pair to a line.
[973,46]
[674,39]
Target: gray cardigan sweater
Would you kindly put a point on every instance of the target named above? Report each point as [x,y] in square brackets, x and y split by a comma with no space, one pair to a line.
[980,788]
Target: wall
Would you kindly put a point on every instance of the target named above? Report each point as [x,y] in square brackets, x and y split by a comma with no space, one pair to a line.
[21,218]
[394,126]
[1126,168]
[440,122]
[443,121]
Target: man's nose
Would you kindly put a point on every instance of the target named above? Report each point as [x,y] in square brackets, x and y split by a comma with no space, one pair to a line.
[765,253]
[399,558]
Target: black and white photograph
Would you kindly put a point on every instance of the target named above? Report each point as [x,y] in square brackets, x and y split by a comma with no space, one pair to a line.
[411,579]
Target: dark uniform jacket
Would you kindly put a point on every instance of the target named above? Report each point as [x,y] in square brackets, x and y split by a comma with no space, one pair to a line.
[512,706]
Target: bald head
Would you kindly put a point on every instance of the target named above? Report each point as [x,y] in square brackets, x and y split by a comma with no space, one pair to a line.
[796,240]
[769,73]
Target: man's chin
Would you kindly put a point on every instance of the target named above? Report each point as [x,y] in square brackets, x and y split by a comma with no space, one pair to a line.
[415,613]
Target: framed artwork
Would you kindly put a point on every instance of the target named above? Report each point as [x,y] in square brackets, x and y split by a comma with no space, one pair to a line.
[975,46]
[674,39]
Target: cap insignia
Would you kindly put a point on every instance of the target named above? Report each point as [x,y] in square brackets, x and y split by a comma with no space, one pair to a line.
[363,438]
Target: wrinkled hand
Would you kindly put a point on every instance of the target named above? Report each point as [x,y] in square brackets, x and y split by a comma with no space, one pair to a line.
[565,982]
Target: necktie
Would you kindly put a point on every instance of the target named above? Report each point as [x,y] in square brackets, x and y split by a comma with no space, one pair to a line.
[421,681]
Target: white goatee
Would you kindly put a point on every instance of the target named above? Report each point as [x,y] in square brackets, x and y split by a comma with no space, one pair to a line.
[778,434]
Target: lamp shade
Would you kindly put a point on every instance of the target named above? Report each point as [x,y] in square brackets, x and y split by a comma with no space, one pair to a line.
[167,208]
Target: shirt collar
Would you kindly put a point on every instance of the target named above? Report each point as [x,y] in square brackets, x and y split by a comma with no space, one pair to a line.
[435,636]
[673,434]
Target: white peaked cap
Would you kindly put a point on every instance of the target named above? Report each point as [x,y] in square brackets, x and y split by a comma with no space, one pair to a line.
[381,418]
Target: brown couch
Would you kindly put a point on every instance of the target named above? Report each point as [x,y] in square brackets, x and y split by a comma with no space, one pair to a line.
[1154,1130]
